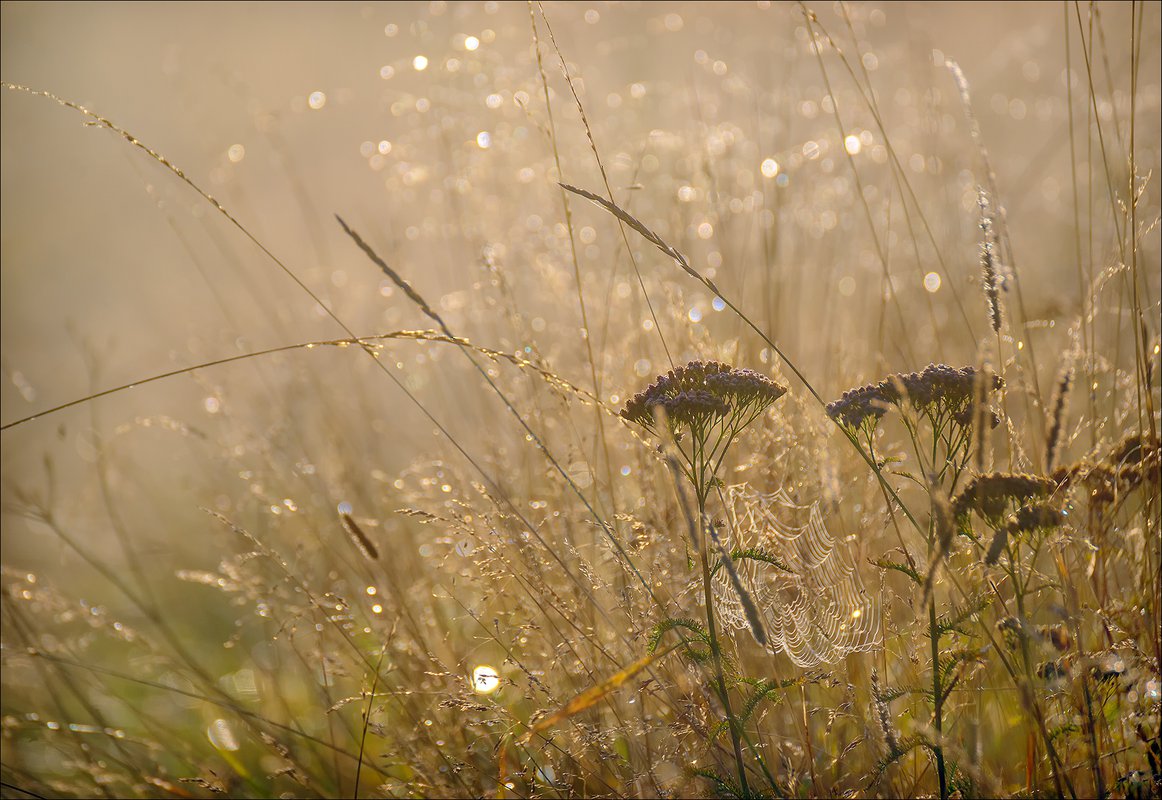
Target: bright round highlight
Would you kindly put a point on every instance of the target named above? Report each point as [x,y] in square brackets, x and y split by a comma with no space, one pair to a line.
[485,679]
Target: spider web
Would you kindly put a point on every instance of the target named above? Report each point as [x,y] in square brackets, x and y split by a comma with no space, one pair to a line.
[816,614]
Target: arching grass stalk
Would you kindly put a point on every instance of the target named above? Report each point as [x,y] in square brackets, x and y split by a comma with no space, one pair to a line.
[703,407]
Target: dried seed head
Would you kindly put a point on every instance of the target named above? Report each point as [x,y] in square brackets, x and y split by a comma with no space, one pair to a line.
[1054,671]
[1132,462]
[1136,459]
[1036,516]
[993,494]
[1056,635]
[1011,631]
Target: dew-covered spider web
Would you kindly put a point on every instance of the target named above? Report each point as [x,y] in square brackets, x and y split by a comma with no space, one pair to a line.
[816,614]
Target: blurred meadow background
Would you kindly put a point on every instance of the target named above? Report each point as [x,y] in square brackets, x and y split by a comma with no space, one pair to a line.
[438,562]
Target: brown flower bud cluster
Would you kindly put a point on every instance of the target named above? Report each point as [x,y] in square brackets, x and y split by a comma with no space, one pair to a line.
[702,393]
[1030,517]
[992,495]
[1132,462]
[938,389]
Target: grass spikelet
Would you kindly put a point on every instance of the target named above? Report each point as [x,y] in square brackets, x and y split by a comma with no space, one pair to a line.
[991,278]
[1054,436]
[362,543]
[883,715]
[646,233]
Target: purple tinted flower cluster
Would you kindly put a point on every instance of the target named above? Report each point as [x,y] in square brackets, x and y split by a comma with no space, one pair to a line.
[685,407]
[857,406]
[937,388]
[702,392]
[745,387]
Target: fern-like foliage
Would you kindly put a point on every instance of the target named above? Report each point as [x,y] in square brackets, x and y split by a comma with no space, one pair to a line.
[954,659]
[676,622]
[958,615]
[699,655]
[885,563]
[723,787]
[765,688]
[890,693]
[758,554]
[905,746]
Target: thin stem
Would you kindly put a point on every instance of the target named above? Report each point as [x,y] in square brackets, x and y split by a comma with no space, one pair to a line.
[937,697]
[708,591]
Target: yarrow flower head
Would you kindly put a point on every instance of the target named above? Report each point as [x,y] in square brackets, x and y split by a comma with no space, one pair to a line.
[702,393]
[710,401]
[939,391]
